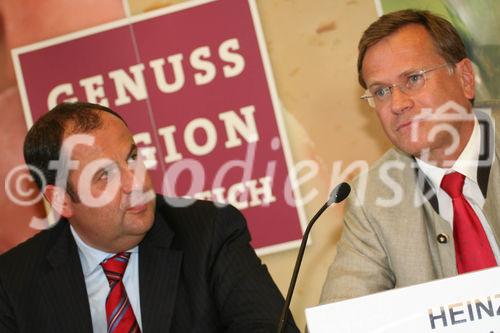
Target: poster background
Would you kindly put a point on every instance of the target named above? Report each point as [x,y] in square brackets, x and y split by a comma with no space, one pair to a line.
[312,47]
[145,38]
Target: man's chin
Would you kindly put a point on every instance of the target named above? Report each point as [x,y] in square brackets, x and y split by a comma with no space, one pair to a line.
[416,150]
[424,155]
[140,224]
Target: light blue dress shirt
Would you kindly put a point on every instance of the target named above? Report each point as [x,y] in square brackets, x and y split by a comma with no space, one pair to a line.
[98,286]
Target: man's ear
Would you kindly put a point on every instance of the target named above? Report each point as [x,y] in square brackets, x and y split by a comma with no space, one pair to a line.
[59,200]
[466,73]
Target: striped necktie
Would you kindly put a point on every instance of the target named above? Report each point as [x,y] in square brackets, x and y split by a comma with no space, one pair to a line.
[472,248]
[121,318]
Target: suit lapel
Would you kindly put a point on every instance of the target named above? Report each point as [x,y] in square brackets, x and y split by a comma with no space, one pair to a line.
[63,286]
[159,268]
[487,151]
[427,191]
[491,212]
[443,257]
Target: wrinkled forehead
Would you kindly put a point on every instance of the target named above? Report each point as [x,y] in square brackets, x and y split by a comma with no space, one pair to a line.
[408,48]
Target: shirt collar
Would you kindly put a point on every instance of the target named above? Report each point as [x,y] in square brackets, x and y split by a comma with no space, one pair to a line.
[91,257]
[466,164]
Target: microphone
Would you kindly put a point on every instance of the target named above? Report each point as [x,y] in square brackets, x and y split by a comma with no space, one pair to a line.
[338,194]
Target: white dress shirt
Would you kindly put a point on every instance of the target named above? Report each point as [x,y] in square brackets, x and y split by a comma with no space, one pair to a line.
[467,165]
[98,286]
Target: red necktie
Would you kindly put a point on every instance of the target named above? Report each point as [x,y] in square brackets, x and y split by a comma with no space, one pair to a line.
[121,318]
[472,248]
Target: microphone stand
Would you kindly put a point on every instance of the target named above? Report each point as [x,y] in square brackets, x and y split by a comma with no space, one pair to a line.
[339,193]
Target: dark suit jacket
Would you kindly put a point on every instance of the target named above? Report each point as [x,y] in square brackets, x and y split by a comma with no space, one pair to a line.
[197,273]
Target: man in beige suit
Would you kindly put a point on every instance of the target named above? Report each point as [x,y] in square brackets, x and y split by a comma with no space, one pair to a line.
[427,209]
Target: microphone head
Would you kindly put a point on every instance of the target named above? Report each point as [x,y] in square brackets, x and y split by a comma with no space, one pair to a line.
[339,193]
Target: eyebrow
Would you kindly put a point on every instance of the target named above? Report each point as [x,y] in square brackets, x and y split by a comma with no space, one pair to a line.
[132,151]
[410,71]
[401,75]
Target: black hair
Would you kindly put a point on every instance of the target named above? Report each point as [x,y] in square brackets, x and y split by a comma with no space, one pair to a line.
[44,139]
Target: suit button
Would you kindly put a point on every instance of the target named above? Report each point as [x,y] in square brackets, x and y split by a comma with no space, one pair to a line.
[442,238]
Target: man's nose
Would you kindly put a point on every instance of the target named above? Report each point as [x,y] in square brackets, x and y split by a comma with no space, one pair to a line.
[134,177]
[129,182]
[400,100]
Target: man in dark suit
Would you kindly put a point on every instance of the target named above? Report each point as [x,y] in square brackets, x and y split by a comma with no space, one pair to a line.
[121,259]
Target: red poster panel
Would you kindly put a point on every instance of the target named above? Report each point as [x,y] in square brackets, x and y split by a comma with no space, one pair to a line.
[193,82]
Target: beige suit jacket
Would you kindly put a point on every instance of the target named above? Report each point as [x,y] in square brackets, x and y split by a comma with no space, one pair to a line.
[386,245]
